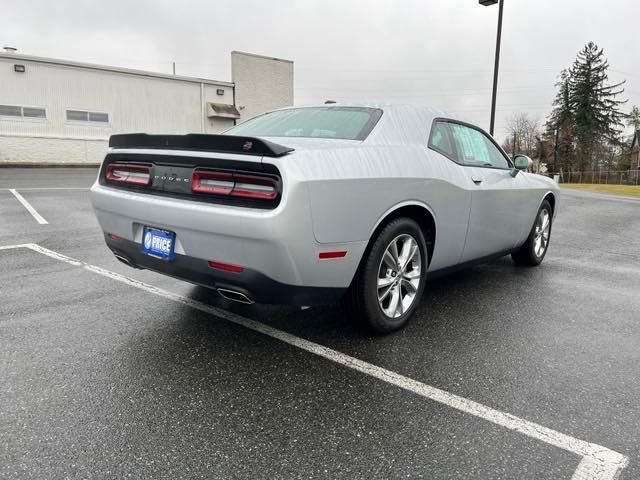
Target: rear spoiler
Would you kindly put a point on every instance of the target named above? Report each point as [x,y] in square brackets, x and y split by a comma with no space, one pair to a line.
[200,142]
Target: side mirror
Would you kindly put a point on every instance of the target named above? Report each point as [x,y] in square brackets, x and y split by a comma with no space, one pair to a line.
[520,162]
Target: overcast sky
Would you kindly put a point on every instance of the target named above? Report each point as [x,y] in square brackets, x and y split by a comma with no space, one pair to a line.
[416,51]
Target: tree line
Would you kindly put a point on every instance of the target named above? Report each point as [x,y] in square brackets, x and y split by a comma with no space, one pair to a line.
[585,129]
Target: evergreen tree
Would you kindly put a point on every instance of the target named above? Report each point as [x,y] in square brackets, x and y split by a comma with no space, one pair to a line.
[597,117]
[560,127]
[633,119]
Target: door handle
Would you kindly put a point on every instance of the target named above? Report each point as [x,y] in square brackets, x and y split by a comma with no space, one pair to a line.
[476,180]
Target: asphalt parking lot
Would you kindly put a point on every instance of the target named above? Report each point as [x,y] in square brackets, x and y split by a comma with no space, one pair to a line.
[505,372]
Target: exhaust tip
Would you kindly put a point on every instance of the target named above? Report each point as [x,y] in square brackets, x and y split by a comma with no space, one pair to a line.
[234,296]
[122,259]
[126,261]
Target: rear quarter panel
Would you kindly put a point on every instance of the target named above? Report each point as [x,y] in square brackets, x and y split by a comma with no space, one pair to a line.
[351,190]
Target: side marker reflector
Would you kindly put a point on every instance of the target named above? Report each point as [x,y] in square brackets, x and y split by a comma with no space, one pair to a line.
[327,255]
[227,267]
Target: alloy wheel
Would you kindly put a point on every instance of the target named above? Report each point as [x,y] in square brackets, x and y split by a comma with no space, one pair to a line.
[543,228]
[399,275]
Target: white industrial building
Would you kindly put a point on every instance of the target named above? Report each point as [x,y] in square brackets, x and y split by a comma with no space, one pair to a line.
[56,111]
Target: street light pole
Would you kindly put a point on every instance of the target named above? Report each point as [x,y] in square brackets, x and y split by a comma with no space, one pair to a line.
[500,3]
[495,68]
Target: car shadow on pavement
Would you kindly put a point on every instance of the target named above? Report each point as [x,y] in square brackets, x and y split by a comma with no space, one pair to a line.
[450,298]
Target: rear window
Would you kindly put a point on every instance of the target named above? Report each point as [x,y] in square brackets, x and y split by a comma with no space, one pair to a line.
[348,123]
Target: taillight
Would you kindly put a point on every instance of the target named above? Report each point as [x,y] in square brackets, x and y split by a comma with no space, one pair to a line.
[252,186]
[218,183]
[258,187]
[133,173]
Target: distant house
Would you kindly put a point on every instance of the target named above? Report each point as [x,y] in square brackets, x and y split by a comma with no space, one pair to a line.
[635,152]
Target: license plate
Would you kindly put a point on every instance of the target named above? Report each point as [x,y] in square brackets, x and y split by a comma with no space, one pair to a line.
[158,243]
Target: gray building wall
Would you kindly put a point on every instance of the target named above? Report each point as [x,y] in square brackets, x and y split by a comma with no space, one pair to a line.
[262,83]
[135,101]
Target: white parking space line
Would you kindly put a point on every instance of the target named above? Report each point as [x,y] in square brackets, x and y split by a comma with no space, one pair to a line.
[597,463]
[29,208]
[590,469]
[22,245]
[52,254]
[37,189]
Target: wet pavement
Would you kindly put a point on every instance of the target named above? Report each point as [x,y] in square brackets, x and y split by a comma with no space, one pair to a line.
[99,379]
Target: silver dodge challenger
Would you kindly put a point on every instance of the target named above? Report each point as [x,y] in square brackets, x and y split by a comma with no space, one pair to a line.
[313,205]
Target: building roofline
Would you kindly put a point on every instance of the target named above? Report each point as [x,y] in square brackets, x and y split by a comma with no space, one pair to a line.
[237,52]
[107,68]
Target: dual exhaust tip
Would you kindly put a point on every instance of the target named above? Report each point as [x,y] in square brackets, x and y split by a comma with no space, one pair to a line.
[232,295]
[126,261]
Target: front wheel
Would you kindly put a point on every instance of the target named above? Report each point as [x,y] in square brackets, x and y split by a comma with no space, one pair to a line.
[390,281]
[535,248]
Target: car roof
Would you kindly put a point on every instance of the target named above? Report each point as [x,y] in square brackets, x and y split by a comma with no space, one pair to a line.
[400,124]
[382,106]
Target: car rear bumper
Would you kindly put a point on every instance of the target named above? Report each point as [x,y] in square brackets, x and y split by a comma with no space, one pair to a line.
[276,248]
[255,286]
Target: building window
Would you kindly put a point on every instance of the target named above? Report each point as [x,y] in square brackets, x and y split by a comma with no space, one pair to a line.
[86,116]
[26,112]
[10,111]
[98,117]
[32,112]
[77,116]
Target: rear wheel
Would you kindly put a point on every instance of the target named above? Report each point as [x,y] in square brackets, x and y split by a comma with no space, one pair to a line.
[390,281]
[535,248]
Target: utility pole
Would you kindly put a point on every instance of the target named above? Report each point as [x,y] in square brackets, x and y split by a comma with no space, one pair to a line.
[174,67]
[500,3]
[495,68]
[555,151]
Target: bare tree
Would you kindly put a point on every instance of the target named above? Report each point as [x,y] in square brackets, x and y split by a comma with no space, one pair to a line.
[524,131]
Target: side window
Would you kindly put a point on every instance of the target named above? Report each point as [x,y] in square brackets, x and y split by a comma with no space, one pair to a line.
[440,139]
[475,148]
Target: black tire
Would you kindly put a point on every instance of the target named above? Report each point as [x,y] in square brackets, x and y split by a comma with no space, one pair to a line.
[362,298]
[528,255]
